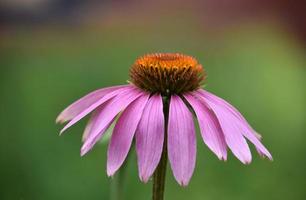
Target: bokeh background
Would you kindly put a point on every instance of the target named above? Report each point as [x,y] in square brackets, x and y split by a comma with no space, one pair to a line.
[54,51]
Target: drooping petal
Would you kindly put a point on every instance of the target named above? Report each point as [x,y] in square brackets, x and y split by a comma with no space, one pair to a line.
[95,105]
[107,115]
[231,129]
[247,130]
[91,122]
[123,134]
[210,128]
[150,137]
[228,106]
[80,105]
[181,141]
[259,137]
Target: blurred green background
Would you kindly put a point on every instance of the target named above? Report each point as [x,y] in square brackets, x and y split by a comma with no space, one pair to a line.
[257,63]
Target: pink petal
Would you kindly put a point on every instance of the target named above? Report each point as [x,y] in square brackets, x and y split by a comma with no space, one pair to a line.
[247,130]
[232,131]
[107,115]
[80,105]
[150,137]
[95,105]
[123,134]
[227,105]
[91,122]
[210,128]
[181,141]
[259,137]
[93,119]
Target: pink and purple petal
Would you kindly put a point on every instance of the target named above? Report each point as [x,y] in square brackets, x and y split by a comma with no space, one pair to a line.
[80,105]
[95,105]
[92,121]
[123,134]
[150,137]
[245,129]
[210,128]
[232,131]
[181,141]
[107,115]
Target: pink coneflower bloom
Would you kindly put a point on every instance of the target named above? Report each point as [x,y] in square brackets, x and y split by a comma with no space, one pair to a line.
[156,108]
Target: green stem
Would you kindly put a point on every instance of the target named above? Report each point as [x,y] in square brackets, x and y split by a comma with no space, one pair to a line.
[160,172]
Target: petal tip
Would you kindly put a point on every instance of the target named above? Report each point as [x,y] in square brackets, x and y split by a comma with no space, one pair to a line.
[183,183]
[247,162]
[62,131]
[110,173]
[59,120]
[269,156]
[84,150]
[144,178]
[223,158]
[111,170]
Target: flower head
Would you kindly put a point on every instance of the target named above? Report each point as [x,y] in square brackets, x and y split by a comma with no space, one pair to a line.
[158,81]
[169,73]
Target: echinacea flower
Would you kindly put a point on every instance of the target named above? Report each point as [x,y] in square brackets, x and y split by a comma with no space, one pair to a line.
[156,108]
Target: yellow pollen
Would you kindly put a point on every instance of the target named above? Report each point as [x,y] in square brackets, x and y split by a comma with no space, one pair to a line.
[167,73]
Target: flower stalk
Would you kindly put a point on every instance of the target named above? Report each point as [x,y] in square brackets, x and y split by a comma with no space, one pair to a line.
[159,177]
